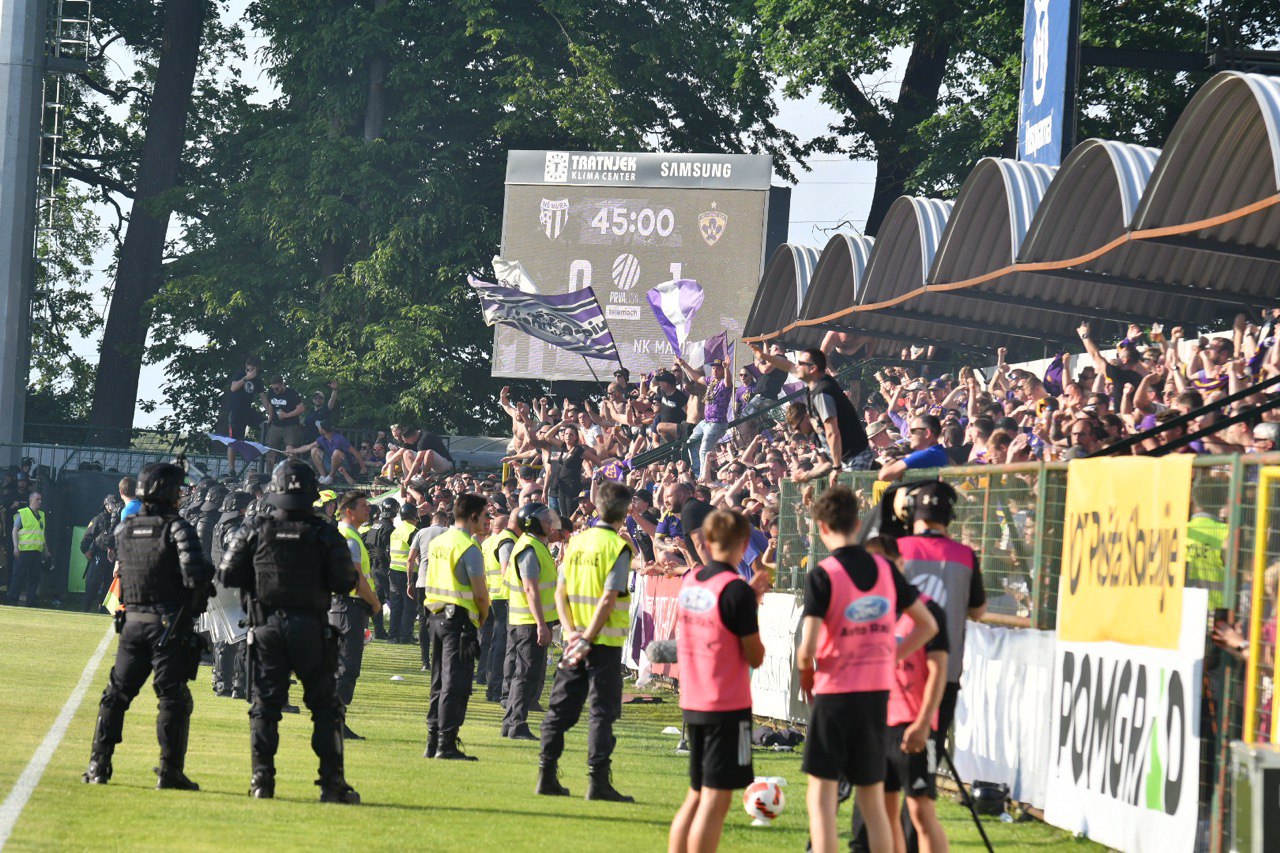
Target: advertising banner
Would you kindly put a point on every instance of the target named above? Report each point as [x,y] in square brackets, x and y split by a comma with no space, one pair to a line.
[1124,551]
[1124,767]
[1002,727]
[775,690]
[1042,109]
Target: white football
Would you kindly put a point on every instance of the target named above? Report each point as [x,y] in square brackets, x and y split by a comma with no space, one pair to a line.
[764,801]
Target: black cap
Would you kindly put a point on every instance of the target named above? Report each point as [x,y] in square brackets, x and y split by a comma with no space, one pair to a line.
[666,376]
[645,495]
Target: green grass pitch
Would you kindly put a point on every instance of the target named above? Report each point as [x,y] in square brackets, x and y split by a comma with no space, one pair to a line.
[409,802]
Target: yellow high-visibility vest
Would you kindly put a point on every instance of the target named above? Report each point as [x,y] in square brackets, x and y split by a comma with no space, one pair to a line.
[520,613]
[493,567]
[366,566]
[31,534]
[588,559]
[443,555]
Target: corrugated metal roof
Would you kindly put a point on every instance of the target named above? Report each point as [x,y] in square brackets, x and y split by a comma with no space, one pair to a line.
[782,288]
[904,248]
[834,286]
[1122,232]
[990,219]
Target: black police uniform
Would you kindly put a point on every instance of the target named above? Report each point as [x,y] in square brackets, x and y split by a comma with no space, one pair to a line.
[230,660]
[94,545]
[377,540]
[165,582]
[289,562]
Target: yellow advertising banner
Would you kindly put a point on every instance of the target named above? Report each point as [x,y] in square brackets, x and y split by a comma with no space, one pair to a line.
[1124,551]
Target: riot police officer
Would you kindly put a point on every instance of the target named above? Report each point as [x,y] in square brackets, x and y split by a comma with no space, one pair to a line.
[96,545]
[229,659]
[377,541]
[288,562]
[210,515]
[165,582]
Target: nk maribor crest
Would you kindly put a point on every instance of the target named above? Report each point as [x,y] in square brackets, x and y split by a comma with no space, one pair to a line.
[553,216]
[712,224]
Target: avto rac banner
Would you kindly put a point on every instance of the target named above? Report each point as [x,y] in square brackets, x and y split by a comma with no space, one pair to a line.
[1042,108]
[1124,755]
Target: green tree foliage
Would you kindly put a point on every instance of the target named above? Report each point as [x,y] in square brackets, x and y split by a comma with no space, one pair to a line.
[960,64]
[338,221]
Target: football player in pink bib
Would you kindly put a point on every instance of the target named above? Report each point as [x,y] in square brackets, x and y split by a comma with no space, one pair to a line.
[848,653]
[718,642]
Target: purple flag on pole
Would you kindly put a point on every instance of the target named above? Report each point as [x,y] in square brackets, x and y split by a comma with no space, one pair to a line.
[700,353]
[571,321]
[675,303]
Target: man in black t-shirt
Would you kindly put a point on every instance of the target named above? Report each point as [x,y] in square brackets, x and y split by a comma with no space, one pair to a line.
[239,410]
[641,521]
[428,452]
[322,409]
[284,418]
[671,407]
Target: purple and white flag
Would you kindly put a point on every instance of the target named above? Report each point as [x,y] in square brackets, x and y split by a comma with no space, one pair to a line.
[571,321]
[675,303]
[702,353]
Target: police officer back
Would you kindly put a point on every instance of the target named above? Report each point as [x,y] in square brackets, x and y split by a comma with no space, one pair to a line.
[289,562]
[401,604]
[165,582]
[97,544]
[531,585]
[350,611]
[229,659]
[593,603]
[377,540]
[457,599]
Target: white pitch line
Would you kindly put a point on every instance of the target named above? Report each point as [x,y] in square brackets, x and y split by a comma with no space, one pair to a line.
[13,804]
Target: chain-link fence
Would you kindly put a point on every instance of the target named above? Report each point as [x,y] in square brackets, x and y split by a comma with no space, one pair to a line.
[1013,516]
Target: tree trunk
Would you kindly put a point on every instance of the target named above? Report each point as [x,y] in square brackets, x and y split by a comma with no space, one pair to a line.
[897,154]
[375,109]
[138,273]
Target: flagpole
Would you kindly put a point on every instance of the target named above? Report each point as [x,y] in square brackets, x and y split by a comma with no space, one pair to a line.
[587,362]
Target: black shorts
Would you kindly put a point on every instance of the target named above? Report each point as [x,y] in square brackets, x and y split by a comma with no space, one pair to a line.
[720,752]
[236,428]
[846,737]
[912,772]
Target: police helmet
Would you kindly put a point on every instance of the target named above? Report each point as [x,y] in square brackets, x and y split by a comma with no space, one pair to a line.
[293,485]
[537,519]
[214,497]
[112,502]
[409,512]
[160,483]
[390,507]
[325,497]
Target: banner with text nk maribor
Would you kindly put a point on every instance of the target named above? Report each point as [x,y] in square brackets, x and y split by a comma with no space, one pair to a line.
[1124,755]
[1043,107]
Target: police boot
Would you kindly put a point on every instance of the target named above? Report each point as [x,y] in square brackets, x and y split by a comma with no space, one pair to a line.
[263,784]
[433,743]
[336,790]
[449,750]
[522,732]
[99,772]
[173,779]
[600,787]
[549,780]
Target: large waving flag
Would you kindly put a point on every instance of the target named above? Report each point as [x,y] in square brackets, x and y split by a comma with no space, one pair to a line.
[701,353]
[675,303]
[571,321]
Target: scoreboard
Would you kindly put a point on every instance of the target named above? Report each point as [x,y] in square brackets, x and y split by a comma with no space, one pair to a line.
[622,223]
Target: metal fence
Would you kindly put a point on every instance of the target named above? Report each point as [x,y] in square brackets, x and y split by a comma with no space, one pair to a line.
[1013,516]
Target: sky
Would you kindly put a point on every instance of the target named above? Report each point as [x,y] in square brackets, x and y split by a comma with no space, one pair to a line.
[835,192]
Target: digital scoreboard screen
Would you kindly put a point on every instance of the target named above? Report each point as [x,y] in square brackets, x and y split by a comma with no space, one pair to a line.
[622,224]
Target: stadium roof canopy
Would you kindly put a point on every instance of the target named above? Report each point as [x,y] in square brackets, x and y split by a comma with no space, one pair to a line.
[782,289]
[1119,233]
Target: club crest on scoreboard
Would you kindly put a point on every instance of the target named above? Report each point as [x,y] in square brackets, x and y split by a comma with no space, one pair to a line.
[553,216]
[712,225]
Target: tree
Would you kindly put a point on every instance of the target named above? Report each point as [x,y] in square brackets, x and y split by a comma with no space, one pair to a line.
[338,222]
[138,276]
[958,97]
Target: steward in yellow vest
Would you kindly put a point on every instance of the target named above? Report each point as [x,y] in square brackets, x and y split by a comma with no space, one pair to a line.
[496,549]
[531,583]
[593,601]
[30,549]
[349,614]
[457,599]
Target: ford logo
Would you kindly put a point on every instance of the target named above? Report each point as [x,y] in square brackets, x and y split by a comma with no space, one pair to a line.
[696,599]
[867,609]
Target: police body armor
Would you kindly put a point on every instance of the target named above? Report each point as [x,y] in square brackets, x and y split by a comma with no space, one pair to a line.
[149,571]
[287,565]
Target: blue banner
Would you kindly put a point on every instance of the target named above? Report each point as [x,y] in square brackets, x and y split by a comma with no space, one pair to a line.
[1042,110]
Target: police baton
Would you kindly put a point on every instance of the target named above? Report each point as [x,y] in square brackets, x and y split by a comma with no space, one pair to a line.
[168,629]
[967,797]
